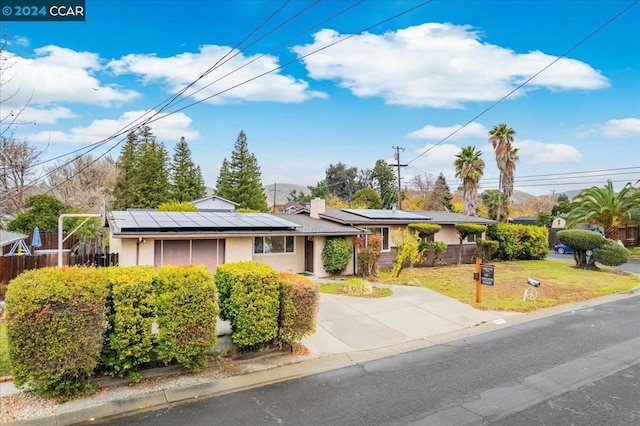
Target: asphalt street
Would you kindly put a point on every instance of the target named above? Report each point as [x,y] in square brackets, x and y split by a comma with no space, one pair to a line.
[560,363]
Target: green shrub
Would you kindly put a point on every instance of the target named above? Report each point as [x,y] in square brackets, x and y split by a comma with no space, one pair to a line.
[336,255]
[612,254]
[582,242]
[357,286]
[249,299]
[486,248]
[56,319]
[177,206]
[130,307]
[580,239]
[464,230]
[186,314]
[407,244]
[299,303]
[432,249]
[519,242]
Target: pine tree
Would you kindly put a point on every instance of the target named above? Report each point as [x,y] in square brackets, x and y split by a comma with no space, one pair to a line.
[239,179]
[384,182]
[440,197]
[187,183]
[153,174]
[224,187]
[124,189]
[143,172]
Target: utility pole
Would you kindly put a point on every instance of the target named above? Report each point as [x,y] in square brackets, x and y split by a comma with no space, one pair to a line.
[275,189]
[398,165]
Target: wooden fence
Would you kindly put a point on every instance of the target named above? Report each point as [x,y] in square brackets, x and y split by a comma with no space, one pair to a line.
[12,266]
[95,259]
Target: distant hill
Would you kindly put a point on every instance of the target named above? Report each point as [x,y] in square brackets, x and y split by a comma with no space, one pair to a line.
[282,190]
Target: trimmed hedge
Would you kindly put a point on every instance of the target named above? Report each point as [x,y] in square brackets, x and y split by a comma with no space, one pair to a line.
[486,248]
[250,301]
[519,242]
[56,320]
[186,314]
[130,307]
[612,254]
[425,229]
[299,304]
[580,239]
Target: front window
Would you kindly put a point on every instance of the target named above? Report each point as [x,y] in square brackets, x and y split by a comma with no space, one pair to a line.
[471,238]
[384,233]
[275,244]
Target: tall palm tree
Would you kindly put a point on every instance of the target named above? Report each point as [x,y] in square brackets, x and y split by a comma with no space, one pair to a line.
[605,207]
[501,138]
[511,158]
[469,169]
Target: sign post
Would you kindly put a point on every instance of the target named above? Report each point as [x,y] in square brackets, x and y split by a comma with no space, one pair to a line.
[477,277]
[482,276]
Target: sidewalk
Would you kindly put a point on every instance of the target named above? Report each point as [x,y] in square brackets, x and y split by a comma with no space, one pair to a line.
[350,330]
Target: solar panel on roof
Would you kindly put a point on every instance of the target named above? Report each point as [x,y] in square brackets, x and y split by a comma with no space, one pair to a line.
[150,220]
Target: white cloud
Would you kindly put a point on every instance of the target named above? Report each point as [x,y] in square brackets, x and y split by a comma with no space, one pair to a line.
[56,74]
[169,129]
[178,71]
[615,128]
[21,41]
[436,157]
[48,115]
[437,65]
[472,130]
[534,152]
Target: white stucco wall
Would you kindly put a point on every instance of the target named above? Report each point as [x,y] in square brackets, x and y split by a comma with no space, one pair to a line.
[238,249]
[128,247]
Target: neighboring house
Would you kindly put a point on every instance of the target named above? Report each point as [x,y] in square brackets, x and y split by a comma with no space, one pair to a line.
[524,220]
[290,207]
[559,222]
[7,238]
[149,237]
[385,222]
[215,203]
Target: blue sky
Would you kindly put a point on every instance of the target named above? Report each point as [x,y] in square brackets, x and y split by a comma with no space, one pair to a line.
[408,81]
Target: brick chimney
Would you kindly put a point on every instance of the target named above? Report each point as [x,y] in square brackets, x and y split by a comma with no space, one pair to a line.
[317,208]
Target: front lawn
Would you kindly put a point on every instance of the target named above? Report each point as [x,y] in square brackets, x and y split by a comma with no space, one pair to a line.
[561,283]
[635,252]
[5,366]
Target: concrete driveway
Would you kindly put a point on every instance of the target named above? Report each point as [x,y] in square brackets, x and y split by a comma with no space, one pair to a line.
[347,324]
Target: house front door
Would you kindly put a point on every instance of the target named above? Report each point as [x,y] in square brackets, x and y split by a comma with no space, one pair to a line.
[308,255]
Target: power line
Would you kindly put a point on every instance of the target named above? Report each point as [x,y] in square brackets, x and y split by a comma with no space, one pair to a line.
[576,45]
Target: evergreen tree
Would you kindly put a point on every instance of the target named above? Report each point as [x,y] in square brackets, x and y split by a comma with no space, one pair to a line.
[384,180]
[124,189]
[440,197]
[153,174]
[239,179]
[143,172]
[224,187]
[187,183]
[341,181]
